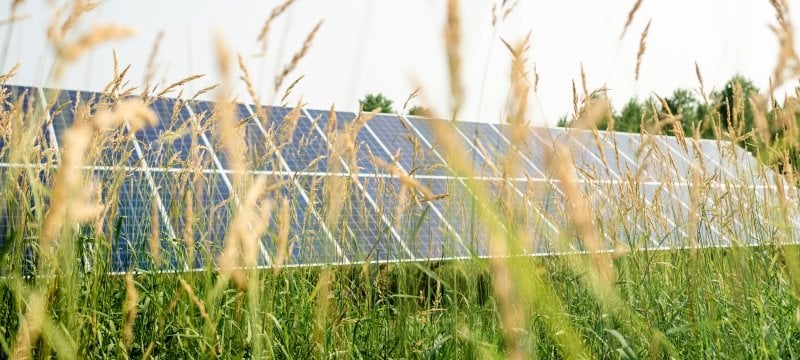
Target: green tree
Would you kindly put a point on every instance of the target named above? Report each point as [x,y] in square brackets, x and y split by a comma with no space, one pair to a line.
[371,102]
[419,111]
[733,105]
[692,113]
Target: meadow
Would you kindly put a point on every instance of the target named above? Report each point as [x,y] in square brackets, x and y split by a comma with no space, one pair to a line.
[627,271]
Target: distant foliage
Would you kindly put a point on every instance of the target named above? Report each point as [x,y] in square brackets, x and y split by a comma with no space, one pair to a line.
[727,114]
[419,111]
[371,102]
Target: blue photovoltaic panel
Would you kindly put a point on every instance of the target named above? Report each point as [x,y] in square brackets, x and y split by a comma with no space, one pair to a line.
[421,228]
[533,150]
[597,143]
[357,228]
[24,99]
[168,144]
[115,149]
[19,203]
[366,144]
[210,216]
[459,219]
[207,119]
[307,242]
[425,128]
[649,160]
[262,154]
[303,148]
[497,149]
[414,156]
[129,227]
[586,162]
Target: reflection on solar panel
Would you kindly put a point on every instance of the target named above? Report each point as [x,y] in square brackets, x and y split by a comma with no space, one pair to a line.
[345,188]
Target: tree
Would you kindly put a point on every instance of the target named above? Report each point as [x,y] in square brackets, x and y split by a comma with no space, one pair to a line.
[375,101]
[733,104]
[419,111]
[693,114]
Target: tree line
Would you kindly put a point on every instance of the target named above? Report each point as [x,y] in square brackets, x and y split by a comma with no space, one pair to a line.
[767,127]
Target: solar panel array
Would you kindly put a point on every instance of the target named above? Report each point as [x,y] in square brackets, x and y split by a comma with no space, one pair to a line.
[347,205]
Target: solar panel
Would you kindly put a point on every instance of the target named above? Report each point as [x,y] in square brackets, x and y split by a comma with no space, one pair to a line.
[303,147]
[401,141]
[418,220]
[129,197]
[640,188]
[366,145]
[355,225]
[492,145]
[532,149]
[170,143]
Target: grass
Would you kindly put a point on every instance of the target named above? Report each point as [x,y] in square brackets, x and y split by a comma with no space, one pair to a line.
[631,271]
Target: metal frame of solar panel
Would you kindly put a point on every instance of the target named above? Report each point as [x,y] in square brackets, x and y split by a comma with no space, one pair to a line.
[179,164]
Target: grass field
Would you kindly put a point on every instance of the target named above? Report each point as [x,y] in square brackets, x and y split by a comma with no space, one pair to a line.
[62,298]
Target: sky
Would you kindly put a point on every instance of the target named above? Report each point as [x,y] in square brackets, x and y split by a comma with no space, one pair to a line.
[394,47]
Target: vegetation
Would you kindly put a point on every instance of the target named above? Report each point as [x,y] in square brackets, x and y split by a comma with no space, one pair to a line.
[371,102]
[631,270]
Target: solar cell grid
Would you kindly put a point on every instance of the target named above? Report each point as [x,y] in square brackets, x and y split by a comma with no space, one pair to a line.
[490,144]
[365,144]
[128,226]
[639,188]
[400,140]
[302,147]
[170,143]
[423,231]
[353,221]
[533,150]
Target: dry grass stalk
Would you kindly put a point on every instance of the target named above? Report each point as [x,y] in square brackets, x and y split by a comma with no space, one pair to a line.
[290,89]
[30,327]
[98,35]
[248,226]
[276,12]
[150,68]
[111,89]
[68,183]
[290,123]
[260,111]
[179,83]
[642,47]
[134,112]
[629,20]
[518,104]
[195,300]
[788,64]
[452,40]
[189,220]
[284,222]
[323,298]
[14,19]
[575,101]
[695,201]
[700,80]
[10,73]
[130,309]
[580,213]
[404,178]
[500,13]
[583,84]
[297,56]
[79,8]
[155,231]
[203,91]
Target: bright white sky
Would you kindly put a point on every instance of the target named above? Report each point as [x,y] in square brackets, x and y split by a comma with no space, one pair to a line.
[394,46]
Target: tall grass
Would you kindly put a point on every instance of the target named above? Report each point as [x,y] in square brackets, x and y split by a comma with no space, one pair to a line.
[124,238]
